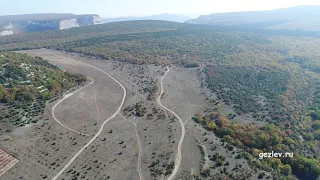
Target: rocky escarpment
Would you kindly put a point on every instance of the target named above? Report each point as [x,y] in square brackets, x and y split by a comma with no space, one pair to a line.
[41,22]
[6,30]
[301,18]
[67,24]
[88,20]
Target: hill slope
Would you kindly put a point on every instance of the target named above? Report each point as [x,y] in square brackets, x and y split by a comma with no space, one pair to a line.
[164,17]
[26,84]
[300,17]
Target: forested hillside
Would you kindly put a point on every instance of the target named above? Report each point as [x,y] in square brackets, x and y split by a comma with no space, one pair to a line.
[160,42]
[27,83]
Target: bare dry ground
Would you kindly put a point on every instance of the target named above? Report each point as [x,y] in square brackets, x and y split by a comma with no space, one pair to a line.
[113,156]
[133,145]
[182,92]
[157,130]
[183,96]
[42,149]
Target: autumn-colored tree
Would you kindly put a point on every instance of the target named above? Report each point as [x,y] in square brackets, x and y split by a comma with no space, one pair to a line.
[256,152]
[222,121]
[1,91]
[7,97]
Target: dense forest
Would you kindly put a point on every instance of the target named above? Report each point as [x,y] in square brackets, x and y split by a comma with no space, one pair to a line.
[27,83]
[272,76]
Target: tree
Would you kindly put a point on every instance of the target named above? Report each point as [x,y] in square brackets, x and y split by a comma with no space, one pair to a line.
[2,90]
[317,135]
[7,97]
[212,125]
[286,170]
[26,93]
[224,131]
[222,121]
[314,114]
[200,118]
[316,125]
[214,115]
[192,64]
[207,120]
[275,162]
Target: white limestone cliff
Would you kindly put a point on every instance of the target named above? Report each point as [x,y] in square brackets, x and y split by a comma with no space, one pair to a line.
[67,24]
[38,22]
[89,20]
[6,30]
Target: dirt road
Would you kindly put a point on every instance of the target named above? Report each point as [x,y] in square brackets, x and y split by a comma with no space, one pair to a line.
[101,128]
[178,156]
[64,98]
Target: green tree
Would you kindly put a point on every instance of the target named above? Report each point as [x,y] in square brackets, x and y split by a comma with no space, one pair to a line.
[316,125]
[212,125]
[199,118]
[286,170]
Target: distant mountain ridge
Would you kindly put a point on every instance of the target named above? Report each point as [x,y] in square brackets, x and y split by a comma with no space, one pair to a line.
[164,17]
[13,24]
[293,18]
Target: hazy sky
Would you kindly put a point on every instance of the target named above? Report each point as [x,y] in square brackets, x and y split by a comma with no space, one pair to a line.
[120,8]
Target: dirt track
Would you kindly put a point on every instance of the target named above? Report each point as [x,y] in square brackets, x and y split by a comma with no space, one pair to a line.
[177,161]
[64,98]
[101,127]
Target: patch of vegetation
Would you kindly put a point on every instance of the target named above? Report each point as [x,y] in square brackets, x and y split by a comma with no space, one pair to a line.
[27,83]
[242,87]
[169,168]
[192,64]
[255,140]
[140,110]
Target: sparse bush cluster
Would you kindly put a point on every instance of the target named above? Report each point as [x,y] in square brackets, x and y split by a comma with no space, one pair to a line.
[242,87]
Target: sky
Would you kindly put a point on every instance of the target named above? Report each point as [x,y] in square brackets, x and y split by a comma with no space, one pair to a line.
[123,8]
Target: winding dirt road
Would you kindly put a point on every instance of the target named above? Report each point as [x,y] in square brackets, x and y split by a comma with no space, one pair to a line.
[64,98]
[101,128]
[178,156]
